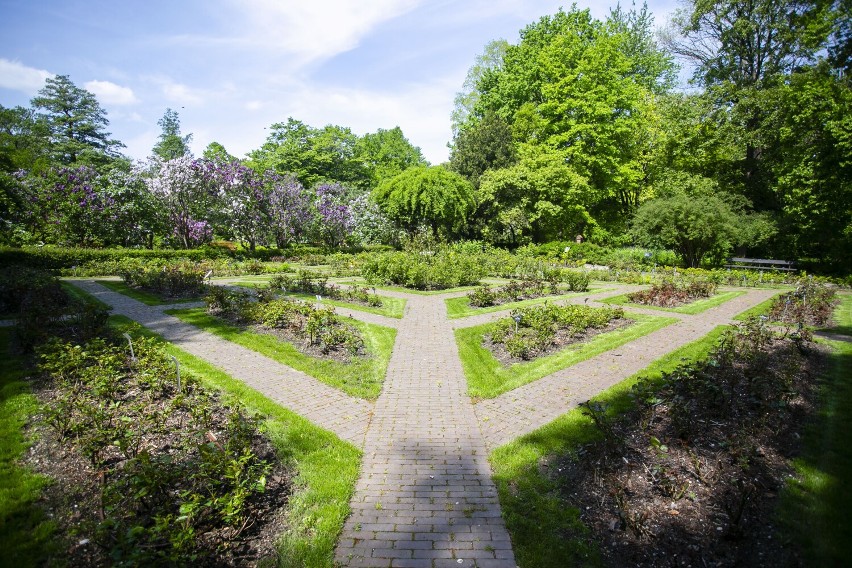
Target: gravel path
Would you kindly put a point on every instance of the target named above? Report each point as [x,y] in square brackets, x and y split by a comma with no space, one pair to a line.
[425,497]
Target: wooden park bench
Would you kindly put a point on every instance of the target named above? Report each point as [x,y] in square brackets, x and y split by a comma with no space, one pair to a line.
[761,264]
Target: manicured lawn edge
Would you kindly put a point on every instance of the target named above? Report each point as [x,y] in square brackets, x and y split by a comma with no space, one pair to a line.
[545,532]
[361,379]
[327,467]
[25,531]
[692,308]
[460,307]
[486,378]
[146,298]
[816,503]
[842,316]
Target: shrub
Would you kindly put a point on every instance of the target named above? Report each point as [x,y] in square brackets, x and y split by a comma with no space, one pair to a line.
[668,294]
[446,267]
[169,282]
[174,469]
[531,331]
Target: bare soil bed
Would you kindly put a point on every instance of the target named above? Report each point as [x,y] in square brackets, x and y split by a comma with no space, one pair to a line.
[692,476]
[75,499]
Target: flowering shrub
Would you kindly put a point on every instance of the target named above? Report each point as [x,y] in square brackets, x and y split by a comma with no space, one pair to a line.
[311,283]
[810,303]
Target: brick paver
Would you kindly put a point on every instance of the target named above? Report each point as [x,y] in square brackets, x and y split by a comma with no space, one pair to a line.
[425,497]
[327,407]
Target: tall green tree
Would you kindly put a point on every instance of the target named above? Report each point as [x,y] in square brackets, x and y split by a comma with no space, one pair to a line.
[481,146]
[485,65]
[386,153]
[583,91]
[311,154]
[76,123]
[432,197]
[742,51]
[171,144]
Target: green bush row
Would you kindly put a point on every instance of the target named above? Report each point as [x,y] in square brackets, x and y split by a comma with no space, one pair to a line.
[54,258]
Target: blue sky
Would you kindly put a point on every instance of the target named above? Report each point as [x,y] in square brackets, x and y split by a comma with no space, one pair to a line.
[231,68]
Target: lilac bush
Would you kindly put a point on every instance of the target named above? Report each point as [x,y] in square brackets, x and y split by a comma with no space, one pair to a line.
[290,211]
[333,223]
[182,187]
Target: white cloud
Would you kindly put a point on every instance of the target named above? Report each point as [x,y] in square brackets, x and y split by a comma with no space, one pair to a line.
[110,93]
[320,28]
[179,93]
[254,105]
[19,77]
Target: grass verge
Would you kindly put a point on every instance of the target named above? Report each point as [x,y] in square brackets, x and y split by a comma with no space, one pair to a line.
[326,467]
[842,316]
[25,531]
[361,378]
[692,308]
[460,307]
[487,378]
[545,532]
[816,503]
[146,298]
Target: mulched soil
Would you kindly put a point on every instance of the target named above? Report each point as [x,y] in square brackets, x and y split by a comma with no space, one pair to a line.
[676,484]
[73,500]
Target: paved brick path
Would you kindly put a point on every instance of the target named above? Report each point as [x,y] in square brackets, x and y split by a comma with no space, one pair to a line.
[425,497]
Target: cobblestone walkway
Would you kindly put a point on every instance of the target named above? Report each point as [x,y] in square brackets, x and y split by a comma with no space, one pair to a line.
[425,497]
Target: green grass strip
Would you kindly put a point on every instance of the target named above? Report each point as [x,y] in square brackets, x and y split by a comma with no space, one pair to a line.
[545,531]
[362,378]
[842,316]
[82,295]
[692,308]
[326,467]
[486,378]
[460,307]
[25,531]
[146,298]
[816,503]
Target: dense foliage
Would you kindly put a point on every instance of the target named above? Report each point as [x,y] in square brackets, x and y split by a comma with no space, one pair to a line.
[574,130]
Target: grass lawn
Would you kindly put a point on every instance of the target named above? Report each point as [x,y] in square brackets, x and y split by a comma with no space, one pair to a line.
[546,533]
[326,467]
[817,502]
[842,316]
[460,307]
[486,378]
[146,298]
[692,308]
[362,378]
[391,307]
[25,531]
